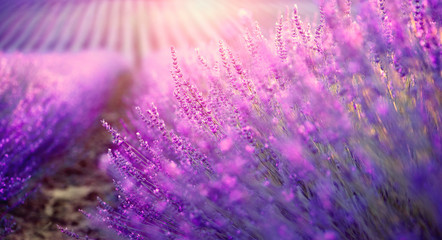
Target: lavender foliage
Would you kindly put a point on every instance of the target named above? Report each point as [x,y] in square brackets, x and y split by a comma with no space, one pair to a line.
[327,130]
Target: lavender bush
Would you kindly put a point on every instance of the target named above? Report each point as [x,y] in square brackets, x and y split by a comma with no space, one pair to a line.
[46,102]
[328,130]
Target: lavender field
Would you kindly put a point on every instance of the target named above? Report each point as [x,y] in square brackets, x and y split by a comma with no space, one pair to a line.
[221,119]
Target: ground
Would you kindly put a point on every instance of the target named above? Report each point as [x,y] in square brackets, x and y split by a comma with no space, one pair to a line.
[76,185]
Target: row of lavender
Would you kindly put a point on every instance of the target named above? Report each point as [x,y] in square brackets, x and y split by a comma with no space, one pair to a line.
[329,132]
[46,103]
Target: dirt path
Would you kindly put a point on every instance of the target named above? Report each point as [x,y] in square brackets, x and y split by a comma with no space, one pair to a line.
[75,186]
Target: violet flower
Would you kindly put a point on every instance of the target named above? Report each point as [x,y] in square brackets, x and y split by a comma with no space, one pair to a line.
[331,137]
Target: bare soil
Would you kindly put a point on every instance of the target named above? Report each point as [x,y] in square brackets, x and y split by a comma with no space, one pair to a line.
[76,185]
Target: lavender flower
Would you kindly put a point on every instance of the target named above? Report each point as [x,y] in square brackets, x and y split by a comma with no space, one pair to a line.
[327,138]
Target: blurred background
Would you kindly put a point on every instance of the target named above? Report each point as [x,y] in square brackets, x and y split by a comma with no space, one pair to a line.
[132,28]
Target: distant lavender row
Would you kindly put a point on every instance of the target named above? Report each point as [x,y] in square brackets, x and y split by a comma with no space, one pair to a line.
[46,103]
[329,130]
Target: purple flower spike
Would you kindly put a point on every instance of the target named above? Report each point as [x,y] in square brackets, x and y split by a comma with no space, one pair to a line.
[331,135]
